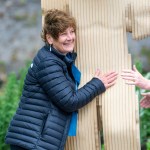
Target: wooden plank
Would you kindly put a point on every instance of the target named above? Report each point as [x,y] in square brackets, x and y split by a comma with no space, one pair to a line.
[102,43]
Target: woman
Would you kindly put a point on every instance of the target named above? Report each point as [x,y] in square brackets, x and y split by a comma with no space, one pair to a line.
[50,95]
[134,77]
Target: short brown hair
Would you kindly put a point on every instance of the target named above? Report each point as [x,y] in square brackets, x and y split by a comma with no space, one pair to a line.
[56,22]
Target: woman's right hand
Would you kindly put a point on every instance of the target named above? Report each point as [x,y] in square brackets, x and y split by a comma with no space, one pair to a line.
[108,79]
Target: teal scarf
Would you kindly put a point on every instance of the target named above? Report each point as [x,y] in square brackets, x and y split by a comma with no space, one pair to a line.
[73,124]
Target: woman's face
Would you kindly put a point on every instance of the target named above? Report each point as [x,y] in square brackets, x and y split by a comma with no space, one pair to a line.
[65,42]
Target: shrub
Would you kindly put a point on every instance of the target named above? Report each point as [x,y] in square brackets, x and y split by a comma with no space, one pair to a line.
[144,114]
[9,99]
[148,145]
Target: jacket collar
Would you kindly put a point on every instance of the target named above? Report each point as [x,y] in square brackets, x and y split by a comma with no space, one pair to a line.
[69,58]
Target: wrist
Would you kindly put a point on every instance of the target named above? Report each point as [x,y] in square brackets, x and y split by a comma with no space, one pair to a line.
[100,85]
[147,87]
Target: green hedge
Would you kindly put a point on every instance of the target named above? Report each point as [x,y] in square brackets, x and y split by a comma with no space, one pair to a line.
[144,114]
[9,98]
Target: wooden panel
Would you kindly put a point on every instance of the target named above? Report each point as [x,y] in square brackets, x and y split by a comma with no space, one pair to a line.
[138,14]
[53,4]
[102,43]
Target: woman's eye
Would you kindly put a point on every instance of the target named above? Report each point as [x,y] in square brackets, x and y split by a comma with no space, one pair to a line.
[64,33]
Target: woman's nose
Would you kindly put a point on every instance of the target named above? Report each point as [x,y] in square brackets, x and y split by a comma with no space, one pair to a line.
[69,36]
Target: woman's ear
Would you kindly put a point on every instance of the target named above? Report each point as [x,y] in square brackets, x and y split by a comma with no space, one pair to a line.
[49,39]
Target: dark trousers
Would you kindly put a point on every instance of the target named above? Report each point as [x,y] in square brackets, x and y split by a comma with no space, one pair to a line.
[14,147]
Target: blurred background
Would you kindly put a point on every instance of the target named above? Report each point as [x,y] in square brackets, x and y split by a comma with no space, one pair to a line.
[20,28]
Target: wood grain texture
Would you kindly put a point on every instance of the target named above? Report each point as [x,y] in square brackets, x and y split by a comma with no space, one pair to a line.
[102,43]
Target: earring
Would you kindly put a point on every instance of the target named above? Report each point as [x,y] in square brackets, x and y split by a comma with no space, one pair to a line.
[50,48]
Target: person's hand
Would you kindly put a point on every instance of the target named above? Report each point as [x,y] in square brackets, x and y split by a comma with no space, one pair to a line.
[145,101]
[133,77]
[108,79]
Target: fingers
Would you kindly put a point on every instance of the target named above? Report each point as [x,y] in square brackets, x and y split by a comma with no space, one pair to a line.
[129,78]
[110,84]
[97,73]
[128,71]
[142,102]
[110,79]
[131,71]
[145,94]
[134,68]
[130,83]
[111,74]
[133,77]
[145,102]
[129,75]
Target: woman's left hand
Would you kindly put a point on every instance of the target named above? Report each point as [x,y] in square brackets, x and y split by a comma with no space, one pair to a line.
[145,101]
[108,79]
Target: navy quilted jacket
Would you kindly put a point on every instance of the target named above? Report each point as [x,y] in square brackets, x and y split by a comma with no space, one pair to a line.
[49,97]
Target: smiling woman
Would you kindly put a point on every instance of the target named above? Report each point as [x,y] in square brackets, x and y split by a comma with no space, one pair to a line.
[47,111]
[65,42]
[59,31]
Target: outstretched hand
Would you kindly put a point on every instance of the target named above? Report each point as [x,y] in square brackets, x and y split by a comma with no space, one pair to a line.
[108,79]
[134,77]
[145,101]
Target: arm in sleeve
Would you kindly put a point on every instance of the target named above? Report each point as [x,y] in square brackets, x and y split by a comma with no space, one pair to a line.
[52,79]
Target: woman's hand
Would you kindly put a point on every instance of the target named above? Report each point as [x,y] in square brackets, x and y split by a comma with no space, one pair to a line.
[145,101]
[108,79]
[133,77]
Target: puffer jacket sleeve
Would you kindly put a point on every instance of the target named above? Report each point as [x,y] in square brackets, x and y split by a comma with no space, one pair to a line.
[52,79]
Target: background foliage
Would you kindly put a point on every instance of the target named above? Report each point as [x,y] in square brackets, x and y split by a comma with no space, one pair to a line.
[144,114]
[9,98]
